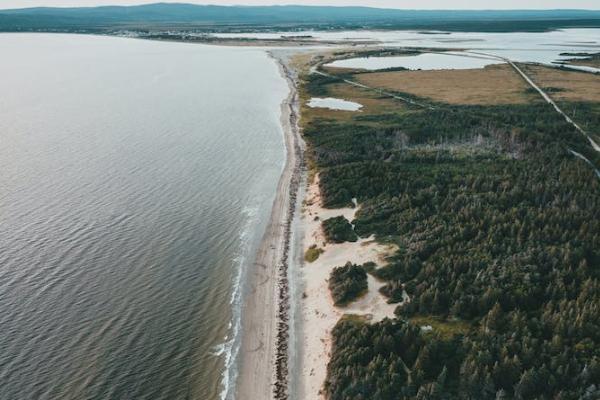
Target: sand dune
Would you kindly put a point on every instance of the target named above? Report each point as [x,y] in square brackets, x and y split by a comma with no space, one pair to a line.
[319,315]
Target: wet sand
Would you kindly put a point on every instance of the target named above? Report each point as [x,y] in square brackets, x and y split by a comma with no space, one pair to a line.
[263,353]
[265,348]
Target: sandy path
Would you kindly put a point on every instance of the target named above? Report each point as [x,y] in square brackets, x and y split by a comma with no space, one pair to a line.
[319,315]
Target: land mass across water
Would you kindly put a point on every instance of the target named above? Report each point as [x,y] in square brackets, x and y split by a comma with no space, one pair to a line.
[204,19]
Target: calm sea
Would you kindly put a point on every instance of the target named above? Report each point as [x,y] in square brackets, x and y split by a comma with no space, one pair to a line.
[136,179]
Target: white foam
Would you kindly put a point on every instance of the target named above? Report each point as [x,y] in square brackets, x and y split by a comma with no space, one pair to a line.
[230,347]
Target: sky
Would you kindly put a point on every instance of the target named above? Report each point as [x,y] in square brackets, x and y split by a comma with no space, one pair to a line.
[408,4]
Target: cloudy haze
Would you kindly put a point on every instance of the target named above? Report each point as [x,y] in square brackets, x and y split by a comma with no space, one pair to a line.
[411,4]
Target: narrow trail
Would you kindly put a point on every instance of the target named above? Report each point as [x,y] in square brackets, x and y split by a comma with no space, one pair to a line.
[576,154]
[549,100]
[545,96]
[553,103]
[477,54]
[314,70]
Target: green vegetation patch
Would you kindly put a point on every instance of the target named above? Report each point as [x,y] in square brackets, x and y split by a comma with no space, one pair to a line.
[445,328]
[316,84]
[347,283]
[339,230]
[389,360]
[591,59]
[497,224]
[547,89]
[312,253]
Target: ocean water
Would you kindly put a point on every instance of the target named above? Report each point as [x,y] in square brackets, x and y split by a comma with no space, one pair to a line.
[542,47]
[136,179]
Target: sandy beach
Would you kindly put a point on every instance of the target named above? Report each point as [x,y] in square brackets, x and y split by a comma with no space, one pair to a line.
[264,348]
[265,351]
[319,315]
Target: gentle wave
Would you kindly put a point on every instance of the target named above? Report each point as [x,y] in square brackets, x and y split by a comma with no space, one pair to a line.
[130,213]
[229,349]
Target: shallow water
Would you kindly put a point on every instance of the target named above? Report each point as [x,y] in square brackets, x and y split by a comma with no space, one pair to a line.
[543,47]
[334,104]
[136,180]
[426,61]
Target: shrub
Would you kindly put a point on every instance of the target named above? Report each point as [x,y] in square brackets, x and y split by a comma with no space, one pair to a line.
[347,283]
[339,230]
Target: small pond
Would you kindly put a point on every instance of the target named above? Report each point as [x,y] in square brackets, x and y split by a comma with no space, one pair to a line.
[334,104]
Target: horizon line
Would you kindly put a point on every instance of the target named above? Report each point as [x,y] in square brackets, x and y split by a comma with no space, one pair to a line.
[293,5]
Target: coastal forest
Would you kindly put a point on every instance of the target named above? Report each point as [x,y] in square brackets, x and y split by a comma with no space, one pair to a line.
[497,225]
[339,230]
[347,283]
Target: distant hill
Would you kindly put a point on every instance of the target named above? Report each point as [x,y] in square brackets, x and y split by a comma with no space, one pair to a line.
[200,17]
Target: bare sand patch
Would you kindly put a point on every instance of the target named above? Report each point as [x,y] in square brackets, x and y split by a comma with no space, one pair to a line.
[319,315]
[494,84]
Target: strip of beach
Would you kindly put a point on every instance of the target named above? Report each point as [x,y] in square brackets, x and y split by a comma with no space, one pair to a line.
[265,318]
[265,347]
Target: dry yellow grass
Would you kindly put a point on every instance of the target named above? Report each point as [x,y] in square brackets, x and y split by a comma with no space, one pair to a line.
[301,61]
[340,71]
[593,62]
[578,86]
[371,101]
[495,84]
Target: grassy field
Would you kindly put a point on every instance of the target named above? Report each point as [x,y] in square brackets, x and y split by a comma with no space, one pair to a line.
[312,254]
[373,103]
[446,328]
[577,93]
[592,60]
[493,85]
[571,85]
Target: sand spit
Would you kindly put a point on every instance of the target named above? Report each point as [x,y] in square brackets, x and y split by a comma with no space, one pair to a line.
[264,344]
[319,315]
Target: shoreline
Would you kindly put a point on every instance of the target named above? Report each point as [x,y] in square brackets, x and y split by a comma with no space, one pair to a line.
[263,355]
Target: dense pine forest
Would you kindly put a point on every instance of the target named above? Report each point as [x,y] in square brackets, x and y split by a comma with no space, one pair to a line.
[498,229]
[338,230]
[347,283]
